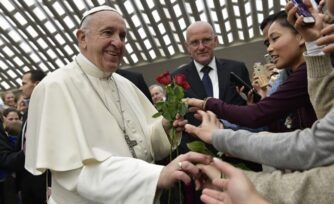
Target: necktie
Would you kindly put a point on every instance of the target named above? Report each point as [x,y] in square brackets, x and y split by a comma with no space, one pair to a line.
[207,81]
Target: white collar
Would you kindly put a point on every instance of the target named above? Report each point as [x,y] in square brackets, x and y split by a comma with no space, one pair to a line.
[212,64]
[90,68]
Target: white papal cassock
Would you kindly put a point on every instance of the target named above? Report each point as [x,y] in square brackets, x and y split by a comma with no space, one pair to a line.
[71,132]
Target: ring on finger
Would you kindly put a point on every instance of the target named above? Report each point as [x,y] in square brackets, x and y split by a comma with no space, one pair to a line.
[179,165]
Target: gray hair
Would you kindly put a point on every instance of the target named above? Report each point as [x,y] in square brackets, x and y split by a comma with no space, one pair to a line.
[156,85]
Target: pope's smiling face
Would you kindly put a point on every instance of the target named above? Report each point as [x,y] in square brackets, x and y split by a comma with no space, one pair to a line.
[102,39]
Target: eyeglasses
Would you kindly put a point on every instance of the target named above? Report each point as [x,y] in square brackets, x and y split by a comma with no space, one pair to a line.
[205,42]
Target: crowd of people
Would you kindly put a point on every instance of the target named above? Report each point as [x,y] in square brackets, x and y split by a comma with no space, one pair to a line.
[17,184]
[74,136]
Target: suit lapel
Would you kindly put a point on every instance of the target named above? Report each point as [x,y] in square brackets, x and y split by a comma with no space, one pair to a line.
[223,78]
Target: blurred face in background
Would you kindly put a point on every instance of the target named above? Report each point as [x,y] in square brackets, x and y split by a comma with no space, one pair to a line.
[11,118]
[9,99]
[201,42]
[21,104]
[157,94]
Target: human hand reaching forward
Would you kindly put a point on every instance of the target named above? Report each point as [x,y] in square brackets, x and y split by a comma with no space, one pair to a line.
[209,123]
[235,189]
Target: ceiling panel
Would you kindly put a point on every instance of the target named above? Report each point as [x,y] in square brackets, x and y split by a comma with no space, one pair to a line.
[40,34]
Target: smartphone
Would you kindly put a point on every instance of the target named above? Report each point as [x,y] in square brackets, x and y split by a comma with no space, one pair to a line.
[262,74]
[303,11]
[237,81]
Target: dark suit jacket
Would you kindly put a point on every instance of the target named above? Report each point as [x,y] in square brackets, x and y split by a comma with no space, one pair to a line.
[137,79]
[10,160]
[33,188]
[226,89]
[227,93]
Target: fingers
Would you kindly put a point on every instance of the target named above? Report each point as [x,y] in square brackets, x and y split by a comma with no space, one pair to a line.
[242,88]
[226,168]
[190,168]
[191,129]
[211,117]
[179,168]
[179,124]
[220,183]
[198,116]
[194,102]
[291,11]
[209,170]
[326,32]
[328,48]
[239,89]
[195,157]
[270,67]
[187,165]
[255,83]
[182,176]
[256,86]
[250,92]
[210,196]
[327,39]
[205,116]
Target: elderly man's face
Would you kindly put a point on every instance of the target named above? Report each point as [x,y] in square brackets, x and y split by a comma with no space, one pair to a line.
[201,42]
[157,95]
[102,41]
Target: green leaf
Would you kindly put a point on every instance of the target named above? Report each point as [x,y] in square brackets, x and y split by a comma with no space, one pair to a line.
[178,91]
[183,109]
[159,105]
[198,146]
[167,116]
[156,115]
[169,91]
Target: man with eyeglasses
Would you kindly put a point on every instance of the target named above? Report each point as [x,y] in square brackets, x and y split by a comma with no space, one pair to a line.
[209,76]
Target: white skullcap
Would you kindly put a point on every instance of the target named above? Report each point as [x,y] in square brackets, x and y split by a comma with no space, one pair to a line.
[97,9]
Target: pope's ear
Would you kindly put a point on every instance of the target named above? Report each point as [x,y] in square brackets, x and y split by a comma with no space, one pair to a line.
[81,37]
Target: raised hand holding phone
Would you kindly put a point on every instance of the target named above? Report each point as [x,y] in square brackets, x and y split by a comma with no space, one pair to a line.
[237,81]
[302,10]
[310,32]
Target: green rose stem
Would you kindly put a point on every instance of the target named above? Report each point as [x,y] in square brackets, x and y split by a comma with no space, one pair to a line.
[171,108]
[175,139]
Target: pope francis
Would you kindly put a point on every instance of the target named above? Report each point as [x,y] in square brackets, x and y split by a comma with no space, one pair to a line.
[93,129]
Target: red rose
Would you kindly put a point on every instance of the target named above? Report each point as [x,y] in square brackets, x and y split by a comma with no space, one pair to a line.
[186,85]
[164,79]
[180,79]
